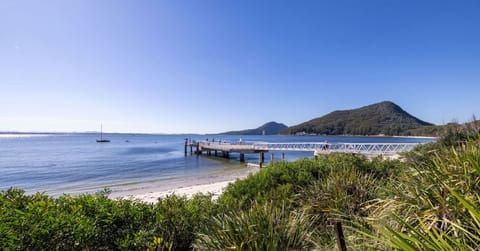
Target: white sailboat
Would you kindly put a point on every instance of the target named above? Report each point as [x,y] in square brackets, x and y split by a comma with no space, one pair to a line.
[102,140]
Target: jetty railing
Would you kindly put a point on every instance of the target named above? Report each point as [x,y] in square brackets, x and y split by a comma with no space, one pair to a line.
[319,148]
[361,148]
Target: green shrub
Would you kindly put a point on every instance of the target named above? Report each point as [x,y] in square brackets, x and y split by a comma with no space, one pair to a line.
[178,219]
[279,182]
[95,222]
[283,181]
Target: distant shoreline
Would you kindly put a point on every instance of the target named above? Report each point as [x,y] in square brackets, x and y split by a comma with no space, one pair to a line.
[209,134]
[416,137]
[348,135]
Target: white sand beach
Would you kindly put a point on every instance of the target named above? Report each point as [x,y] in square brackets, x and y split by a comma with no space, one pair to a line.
[215,186]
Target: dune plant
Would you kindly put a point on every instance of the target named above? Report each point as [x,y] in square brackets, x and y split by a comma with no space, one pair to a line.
[262,227]
[457,134]
[434,205]
[344,191]
[339,196]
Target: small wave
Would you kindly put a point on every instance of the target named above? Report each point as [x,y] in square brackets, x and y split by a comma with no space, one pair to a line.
[149,150]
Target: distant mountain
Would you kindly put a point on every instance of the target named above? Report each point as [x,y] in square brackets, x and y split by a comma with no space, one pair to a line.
[384,118]
[270,128]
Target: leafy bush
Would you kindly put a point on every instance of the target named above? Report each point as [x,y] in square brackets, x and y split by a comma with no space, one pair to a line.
[178,219]
[283,181]
[279,182]
[95,222]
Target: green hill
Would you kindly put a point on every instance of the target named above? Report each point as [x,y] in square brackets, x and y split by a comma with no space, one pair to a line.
[384,118]
[270,128]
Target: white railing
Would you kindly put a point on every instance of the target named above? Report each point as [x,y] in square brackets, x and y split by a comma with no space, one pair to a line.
[361,148]
[322,147]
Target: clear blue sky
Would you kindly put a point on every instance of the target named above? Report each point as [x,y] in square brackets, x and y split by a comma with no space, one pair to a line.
[212,66]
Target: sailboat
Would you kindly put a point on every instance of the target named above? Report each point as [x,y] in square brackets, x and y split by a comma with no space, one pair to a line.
[102,140]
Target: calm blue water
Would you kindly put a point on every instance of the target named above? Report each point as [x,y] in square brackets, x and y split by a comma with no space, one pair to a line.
[75,163]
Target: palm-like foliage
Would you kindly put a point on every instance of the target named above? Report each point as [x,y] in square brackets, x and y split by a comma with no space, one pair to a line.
[262,227]
[434,205]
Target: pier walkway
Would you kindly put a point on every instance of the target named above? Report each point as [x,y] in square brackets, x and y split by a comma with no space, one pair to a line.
[367,149]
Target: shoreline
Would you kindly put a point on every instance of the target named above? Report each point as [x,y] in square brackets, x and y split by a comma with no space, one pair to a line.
[187,188]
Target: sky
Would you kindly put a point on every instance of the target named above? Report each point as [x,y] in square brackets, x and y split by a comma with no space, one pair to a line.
[206,66]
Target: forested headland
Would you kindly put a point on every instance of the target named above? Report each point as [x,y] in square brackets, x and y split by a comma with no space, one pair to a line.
[384,118]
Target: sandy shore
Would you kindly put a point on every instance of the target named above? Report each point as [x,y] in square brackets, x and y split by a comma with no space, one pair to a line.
[187,188]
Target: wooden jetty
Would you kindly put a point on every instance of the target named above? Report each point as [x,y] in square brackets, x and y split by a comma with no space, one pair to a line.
[222,148]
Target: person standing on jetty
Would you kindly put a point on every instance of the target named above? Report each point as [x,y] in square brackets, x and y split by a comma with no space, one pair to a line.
[325,145]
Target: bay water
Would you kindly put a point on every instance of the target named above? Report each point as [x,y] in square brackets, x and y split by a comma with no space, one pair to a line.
[75,163]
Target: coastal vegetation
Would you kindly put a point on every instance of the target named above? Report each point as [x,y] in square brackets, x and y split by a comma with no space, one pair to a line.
[429,200]
[451,128]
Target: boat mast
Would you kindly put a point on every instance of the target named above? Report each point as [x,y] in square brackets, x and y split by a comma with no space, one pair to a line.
[101,131]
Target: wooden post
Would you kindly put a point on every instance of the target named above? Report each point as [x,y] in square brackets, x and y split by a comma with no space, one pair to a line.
[215,152]
[283,156]
[186,143]
[340,238]
[271,159]
[198,149]
[242,157]
[261,158]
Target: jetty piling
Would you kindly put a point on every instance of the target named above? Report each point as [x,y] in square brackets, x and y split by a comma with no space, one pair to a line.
[186,145]
[225,148]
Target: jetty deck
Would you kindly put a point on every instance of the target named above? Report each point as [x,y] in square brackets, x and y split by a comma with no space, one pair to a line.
[225,148]
[230,147]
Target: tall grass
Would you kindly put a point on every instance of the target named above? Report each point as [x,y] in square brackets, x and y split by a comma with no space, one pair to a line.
[262,227]
[434,205]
